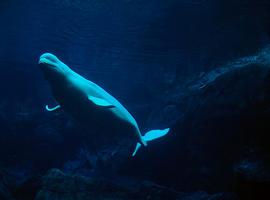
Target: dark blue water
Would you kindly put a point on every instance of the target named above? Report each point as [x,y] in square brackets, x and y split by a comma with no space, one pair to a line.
[200,67]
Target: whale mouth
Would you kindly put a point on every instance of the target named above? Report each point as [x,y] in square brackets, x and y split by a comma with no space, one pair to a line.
[44,62]
[48,59]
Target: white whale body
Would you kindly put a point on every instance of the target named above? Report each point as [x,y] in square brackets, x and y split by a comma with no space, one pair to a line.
[83,98]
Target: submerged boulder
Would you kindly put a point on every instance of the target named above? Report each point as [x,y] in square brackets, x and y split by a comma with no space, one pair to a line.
[59,186]
[223,116]
[5,193]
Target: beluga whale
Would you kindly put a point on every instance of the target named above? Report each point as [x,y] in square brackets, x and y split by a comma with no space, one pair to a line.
[85,100]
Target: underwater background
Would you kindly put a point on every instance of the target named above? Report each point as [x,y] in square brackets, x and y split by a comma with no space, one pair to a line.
[200,67]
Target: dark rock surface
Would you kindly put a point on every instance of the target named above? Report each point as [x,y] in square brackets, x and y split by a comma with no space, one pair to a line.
[222,132]
[59,186]
[5,193]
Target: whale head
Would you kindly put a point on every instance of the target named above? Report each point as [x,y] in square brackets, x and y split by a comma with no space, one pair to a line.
[53,68]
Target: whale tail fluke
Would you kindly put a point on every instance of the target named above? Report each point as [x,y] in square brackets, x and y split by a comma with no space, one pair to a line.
[149,136]
[155,134]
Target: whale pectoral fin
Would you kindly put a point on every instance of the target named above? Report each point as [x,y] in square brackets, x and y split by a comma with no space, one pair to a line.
[100,102]
[52,109]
